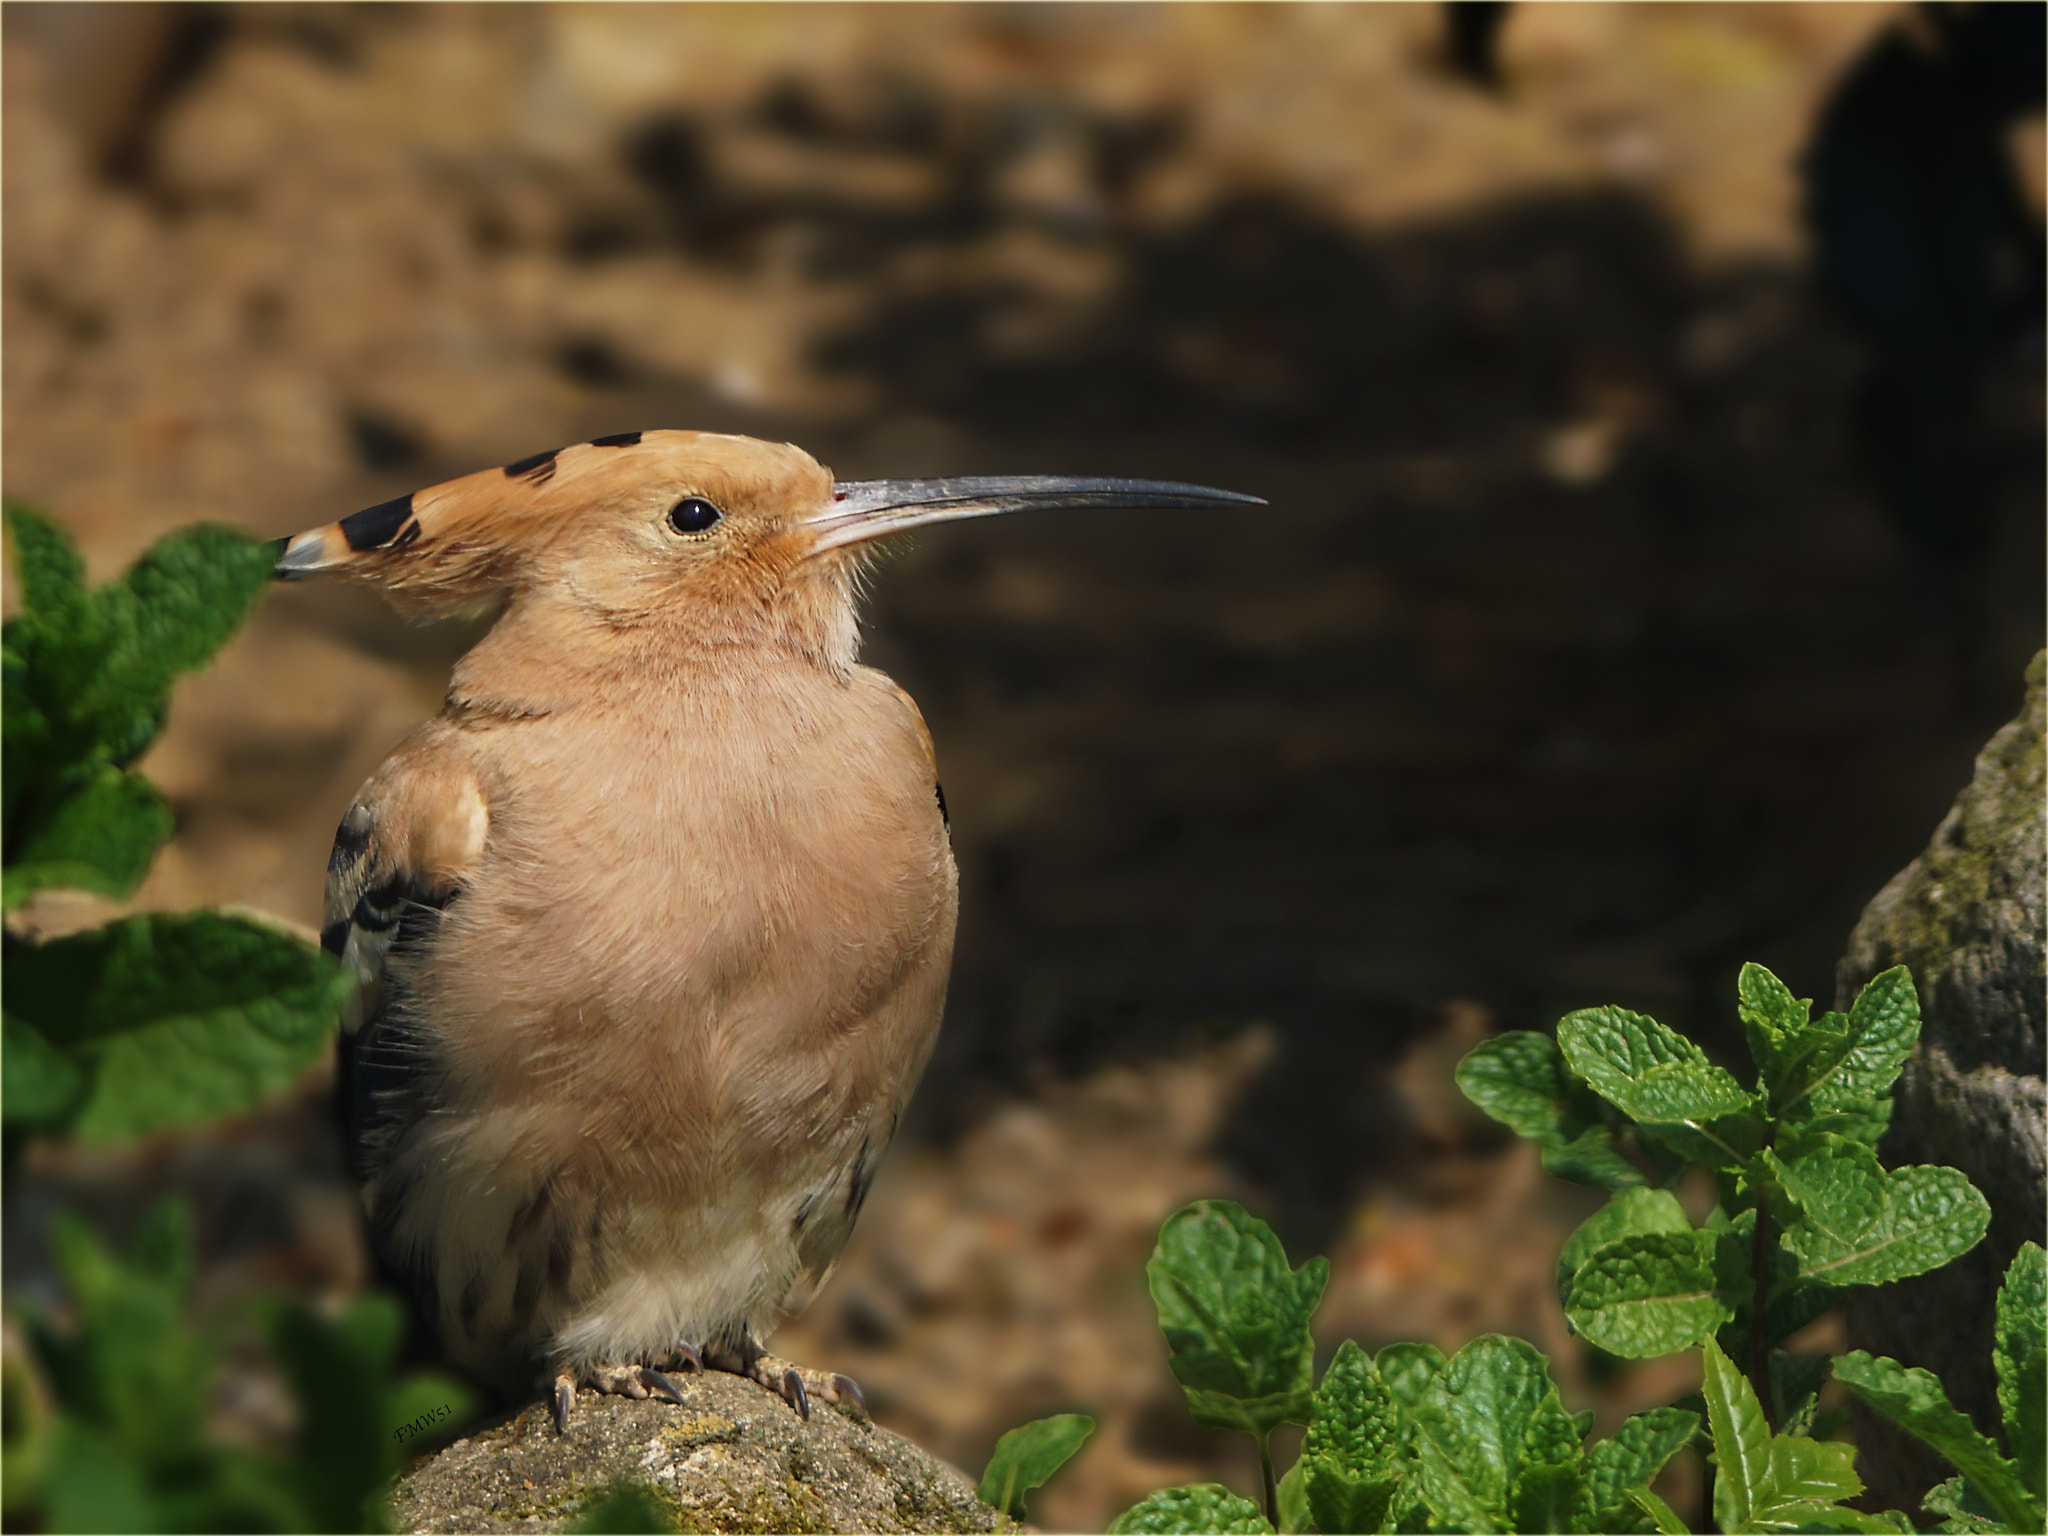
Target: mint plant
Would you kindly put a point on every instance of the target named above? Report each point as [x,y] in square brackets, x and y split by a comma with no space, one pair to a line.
[1410,1440]
[158,1019]
[1995,1492]
[1029,1455]
[126,1448]
[1620,1102]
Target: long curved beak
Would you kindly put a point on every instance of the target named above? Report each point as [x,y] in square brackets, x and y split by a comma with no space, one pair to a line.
[871,509]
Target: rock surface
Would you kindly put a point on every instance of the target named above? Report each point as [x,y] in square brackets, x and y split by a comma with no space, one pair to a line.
[730,1458]
[1967,916]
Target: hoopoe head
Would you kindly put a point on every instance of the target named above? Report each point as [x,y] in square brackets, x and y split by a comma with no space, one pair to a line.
[694,532]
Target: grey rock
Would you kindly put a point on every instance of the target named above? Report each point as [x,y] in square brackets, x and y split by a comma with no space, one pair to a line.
[1967,916]
[732,1457]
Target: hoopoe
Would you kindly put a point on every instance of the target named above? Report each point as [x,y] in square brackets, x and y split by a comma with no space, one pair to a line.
[652,922]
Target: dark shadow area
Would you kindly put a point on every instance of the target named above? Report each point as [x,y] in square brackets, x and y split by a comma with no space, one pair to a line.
[1572,663]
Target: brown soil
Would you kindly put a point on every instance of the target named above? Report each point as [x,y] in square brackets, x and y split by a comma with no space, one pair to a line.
[1574,661]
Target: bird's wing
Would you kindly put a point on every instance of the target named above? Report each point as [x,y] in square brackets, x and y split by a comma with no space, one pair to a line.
[407,848]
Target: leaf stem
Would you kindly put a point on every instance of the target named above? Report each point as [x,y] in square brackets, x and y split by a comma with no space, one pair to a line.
[1272,1490]
[1759,1311]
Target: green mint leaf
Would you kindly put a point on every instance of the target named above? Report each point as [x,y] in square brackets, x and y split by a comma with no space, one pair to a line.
[1742,1441]
[1865,1122]
[1771,1016]
[46,564]
[102,837]
[1963,1507]
[1027,1456]
[1663,1082]
[1353,1448]
[1520,1080]
[1290,1499]
[1650,1293]
[1236,1317]
[177,1018]
[1630,1211]
[1619,1467]
[1885,1020]
[2021,1352]
[1662,1515]
[127,1365]
[339,1367]
[90,1485]
[38,1083]
[1804,1471]
[1797,1380]
[1915,1401]
[1202,1507]
[172,611]
[1810,1062]
[1862,1225]
[1491,1416]
[1545,1495]
[1356,1427]
[1408,1369]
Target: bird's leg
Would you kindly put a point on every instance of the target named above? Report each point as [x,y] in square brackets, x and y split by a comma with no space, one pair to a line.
[794,1384]
[638,1381]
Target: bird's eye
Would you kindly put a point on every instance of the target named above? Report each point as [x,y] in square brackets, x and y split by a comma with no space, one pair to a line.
[693,514]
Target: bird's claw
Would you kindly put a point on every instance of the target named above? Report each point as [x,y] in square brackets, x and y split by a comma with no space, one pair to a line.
[797,1386]
[793,1384]
[634,1381]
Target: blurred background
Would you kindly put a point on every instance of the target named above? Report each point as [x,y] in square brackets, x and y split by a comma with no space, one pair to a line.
[1649,400]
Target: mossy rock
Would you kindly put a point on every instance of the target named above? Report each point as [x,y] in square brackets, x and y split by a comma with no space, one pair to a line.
[1968,917]
[732,1457]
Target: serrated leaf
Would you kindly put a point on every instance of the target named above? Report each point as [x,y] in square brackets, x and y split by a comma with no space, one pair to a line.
[1408,1368]
[1804,1471]
[102,838]
[1916,1401]
[1662,1515]
[1862,1225]
[1963,1507]
[1742,1441]
[1356,1427]
[1189,1511]
[1351,1454]
[1663,1082]
[1236,1317]
[1488,1420]
[1520,1080]
[38,1082]
[1771,1016]
[1545,1495]
[2021,1353]
[1650,1293]
[1885,1020]
[169,614]
[177,1018]
[46,564]
[1619,1467]
[1630,1211]
[1027,1456]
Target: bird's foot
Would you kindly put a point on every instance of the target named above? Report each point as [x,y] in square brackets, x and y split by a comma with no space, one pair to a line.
[639,1381]
[798,1386]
